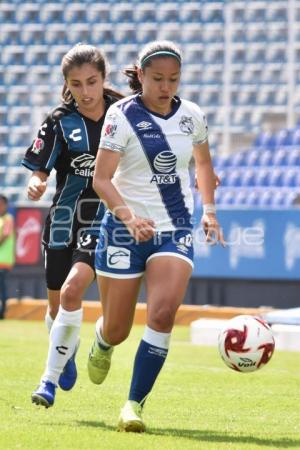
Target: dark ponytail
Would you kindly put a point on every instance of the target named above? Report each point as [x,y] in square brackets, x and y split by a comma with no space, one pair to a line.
[156,49]
[84,54]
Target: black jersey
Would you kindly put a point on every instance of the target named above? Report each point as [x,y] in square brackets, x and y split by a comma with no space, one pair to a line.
[68,142]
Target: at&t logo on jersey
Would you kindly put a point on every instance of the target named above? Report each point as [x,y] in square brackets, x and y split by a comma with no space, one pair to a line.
[84,165]
[165,163]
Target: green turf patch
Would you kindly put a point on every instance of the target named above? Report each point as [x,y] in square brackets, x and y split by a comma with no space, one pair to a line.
[197,402]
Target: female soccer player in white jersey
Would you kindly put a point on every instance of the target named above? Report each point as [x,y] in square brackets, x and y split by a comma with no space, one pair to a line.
[141,173]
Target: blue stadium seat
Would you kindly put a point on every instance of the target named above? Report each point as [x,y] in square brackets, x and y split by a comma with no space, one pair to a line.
[122,12]
[14,156]
[212,12]
[56,34]
[280,157]
[278,199]
[248,177]
[55,54]
[52,12]
[126,55]
[265,158]
[145,12]
[252,157]
[19,115]
[169,31]
[293,157]
[146,32]
[289,177]
[167,12]
[234,177]
[252,199]
[28,12]
[4,116]
[296,137]
[13,55]
[36,55]
[262,177]
[125,33]
[238,159]
[18,95]
[240,198]
[275,177]
[265,198]
[98,12]
[190,12]
[75,13]
[276,13]
[33,32]
[284,137]
[20,135]
[265,139]
[79,32]
[228,198]
[193,52]
[10,34]
[7,13]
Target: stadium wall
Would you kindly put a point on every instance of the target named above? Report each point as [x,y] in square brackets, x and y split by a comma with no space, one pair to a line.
[259,266]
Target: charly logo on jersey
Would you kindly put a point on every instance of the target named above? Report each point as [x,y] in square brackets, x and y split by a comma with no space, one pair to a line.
[84,165]
[186,125]
[164,163]
[38,145]
[75,135]
[118,257]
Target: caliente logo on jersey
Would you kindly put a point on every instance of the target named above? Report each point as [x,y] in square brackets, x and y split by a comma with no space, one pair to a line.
[164,163]
[84,165]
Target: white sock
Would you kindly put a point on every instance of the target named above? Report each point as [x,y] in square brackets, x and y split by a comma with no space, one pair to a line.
[48,320]
[63,339]
[161,340]
[99,337]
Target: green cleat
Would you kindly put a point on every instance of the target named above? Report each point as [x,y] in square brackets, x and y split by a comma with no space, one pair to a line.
[131,418]
[99,363]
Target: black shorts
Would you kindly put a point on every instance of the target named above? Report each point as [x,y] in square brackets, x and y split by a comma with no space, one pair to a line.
[58,262]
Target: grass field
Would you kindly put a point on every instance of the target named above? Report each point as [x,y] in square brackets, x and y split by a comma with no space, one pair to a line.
[197,403]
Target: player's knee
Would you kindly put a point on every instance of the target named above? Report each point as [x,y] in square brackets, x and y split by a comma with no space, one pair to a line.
[71,296]
[53,310]
[115,335]
[162,318]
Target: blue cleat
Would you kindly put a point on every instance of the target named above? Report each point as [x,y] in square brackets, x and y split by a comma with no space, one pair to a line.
[68,376]
[44,395]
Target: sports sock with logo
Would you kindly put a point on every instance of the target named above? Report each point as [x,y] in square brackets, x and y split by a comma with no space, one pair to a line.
[149,359]
[63,339]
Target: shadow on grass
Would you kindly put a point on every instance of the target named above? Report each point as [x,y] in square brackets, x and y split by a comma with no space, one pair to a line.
[205,435]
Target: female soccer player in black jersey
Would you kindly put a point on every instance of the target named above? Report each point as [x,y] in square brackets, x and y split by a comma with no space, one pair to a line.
[68,141]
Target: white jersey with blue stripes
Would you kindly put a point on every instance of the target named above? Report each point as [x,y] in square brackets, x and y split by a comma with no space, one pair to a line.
[153,173]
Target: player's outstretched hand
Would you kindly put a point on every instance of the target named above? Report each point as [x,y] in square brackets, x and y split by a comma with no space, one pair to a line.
[212,229]
[141,229]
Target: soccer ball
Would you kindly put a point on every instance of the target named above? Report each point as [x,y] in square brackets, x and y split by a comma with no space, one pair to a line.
[246,343]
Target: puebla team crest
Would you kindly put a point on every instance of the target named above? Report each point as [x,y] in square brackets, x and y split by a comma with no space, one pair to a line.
[186,125]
